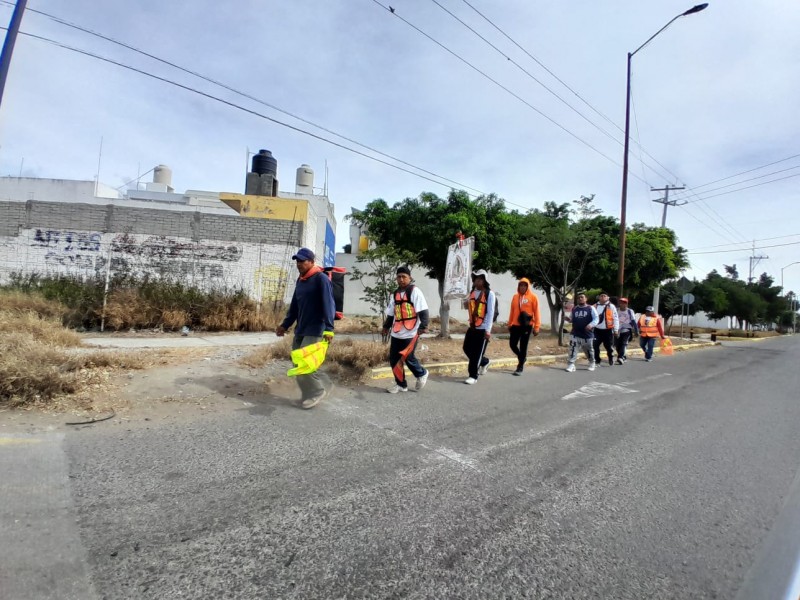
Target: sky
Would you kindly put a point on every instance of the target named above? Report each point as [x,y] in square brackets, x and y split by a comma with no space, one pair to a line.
[714,102]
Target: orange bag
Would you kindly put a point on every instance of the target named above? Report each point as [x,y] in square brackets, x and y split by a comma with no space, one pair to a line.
[666,347]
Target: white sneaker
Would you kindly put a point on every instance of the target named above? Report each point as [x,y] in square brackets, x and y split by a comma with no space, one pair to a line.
[482,370]
[421,381]
[592,366]
[570,368]
[396,388]
[470,381]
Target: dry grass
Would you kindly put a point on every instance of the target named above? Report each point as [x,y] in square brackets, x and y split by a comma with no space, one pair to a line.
[241,317]
[20,302]
[346,358]
[44,330]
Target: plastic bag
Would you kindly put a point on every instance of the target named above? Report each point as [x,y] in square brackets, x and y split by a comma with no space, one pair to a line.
[666,347]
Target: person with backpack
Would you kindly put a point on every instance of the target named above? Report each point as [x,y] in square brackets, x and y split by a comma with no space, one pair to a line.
[627,330]
[313,309]
[406,317]
[482,307]
[523,320]
[607,328]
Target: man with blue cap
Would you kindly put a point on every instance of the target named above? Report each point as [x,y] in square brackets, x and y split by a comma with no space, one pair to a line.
[313,309]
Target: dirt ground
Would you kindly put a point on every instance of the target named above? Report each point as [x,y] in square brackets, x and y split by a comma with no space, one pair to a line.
[187,382]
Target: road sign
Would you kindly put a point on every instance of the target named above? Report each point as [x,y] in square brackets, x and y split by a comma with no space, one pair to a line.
[688,298]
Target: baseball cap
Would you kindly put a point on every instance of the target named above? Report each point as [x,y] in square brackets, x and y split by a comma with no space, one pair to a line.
[304,254]
[623,299]
[648,309]
[403,270]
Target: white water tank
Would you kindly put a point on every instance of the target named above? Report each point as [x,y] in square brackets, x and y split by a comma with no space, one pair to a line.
[162,174]
[304,184]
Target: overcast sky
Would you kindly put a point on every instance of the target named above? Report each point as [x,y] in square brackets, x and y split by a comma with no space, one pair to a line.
[714,95]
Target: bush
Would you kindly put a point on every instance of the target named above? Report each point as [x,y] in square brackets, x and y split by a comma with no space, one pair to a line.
[143,302]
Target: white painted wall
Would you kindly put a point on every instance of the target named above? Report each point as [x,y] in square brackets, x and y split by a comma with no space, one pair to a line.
[53,190]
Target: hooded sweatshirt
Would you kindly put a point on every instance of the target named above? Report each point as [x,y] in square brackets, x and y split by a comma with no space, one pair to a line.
[526,303]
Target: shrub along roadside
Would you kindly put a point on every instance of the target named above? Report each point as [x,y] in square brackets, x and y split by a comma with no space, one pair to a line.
[145,302]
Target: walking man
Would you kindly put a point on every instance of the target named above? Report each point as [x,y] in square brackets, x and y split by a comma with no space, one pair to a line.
[607,329]
[627,329]
[584,319]
[482,306]
[407,317]
[650,329]
[313,309]
[523,319]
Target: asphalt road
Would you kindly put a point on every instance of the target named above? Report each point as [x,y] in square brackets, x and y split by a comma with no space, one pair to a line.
[650,480]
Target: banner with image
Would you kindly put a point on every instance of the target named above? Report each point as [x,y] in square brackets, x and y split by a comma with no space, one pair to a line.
[457,280]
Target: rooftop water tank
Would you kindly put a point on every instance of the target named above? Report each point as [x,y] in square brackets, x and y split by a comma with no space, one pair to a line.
[265,164]
[304,184]
[162,174]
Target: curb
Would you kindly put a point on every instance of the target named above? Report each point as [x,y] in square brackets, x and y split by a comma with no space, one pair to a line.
[547,359]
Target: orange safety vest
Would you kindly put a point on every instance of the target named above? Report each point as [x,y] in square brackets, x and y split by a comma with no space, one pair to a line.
[609,316]
[648,327]
[405,315]
[477,308]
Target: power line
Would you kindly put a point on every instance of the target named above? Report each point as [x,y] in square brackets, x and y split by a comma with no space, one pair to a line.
[393,12]
[748,171]
[777,237]
[239,92]
[750,186]
[577,95]
[747,249]
[239,107]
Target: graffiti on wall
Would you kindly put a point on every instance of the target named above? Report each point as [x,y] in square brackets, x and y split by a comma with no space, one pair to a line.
[77,249]
[271,281]
[164,248]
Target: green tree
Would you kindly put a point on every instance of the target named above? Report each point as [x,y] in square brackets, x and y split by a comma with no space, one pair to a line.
[427,225]
[382,262]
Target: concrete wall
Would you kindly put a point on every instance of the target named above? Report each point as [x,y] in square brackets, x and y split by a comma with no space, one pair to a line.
[206,250]
[68,190]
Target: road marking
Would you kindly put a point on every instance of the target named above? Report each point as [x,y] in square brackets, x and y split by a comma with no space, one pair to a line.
[459,458]
[13,441]
[597,388]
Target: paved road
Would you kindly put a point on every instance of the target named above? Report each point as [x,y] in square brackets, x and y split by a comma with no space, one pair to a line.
[656,480]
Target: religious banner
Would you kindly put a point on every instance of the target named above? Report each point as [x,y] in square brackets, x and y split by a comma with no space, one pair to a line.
[457,280]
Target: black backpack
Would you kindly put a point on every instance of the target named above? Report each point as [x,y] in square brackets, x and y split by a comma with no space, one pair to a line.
[336,275]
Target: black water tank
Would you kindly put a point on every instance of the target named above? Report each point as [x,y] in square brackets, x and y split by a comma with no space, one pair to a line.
[265,164]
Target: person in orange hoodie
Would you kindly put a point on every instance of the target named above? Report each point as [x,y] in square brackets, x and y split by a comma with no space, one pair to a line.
[523,319]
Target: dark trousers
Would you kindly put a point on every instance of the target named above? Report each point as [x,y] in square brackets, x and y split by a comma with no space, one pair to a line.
[622,342]
[475,343]
[606,338]
[396,346]
[520,336]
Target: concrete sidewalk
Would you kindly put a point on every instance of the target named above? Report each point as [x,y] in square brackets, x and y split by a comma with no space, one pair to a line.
[190,341]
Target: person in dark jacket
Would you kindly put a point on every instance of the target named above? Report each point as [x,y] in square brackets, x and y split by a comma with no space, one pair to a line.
[313,309]
[584,319]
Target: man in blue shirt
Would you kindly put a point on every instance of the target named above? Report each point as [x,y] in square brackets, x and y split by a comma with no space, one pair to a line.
[584,319]
[314,309]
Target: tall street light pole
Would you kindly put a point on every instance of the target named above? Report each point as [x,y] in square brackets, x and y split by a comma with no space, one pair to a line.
[794,310]
[624,202]
[8,45]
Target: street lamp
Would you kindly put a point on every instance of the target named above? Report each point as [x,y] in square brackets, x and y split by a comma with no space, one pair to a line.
[794,310]
[621,269]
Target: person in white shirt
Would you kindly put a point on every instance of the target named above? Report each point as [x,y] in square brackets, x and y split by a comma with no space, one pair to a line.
[406,317]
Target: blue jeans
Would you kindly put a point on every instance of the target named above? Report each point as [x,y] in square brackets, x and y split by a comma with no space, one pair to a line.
[647,344]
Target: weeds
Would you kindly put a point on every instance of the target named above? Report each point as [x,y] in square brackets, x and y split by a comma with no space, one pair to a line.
[142,302]
[348,358]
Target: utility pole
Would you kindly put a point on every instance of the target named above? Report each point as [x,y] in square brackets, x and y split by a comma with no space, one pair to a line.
[8,45]
[666,202]
[754,260]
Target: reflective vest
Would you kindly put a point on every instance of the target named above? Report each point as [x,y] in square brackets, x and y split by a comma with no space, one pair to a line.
[609,314]
[648,327]
[308,358]
[405,315]
[477,308]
